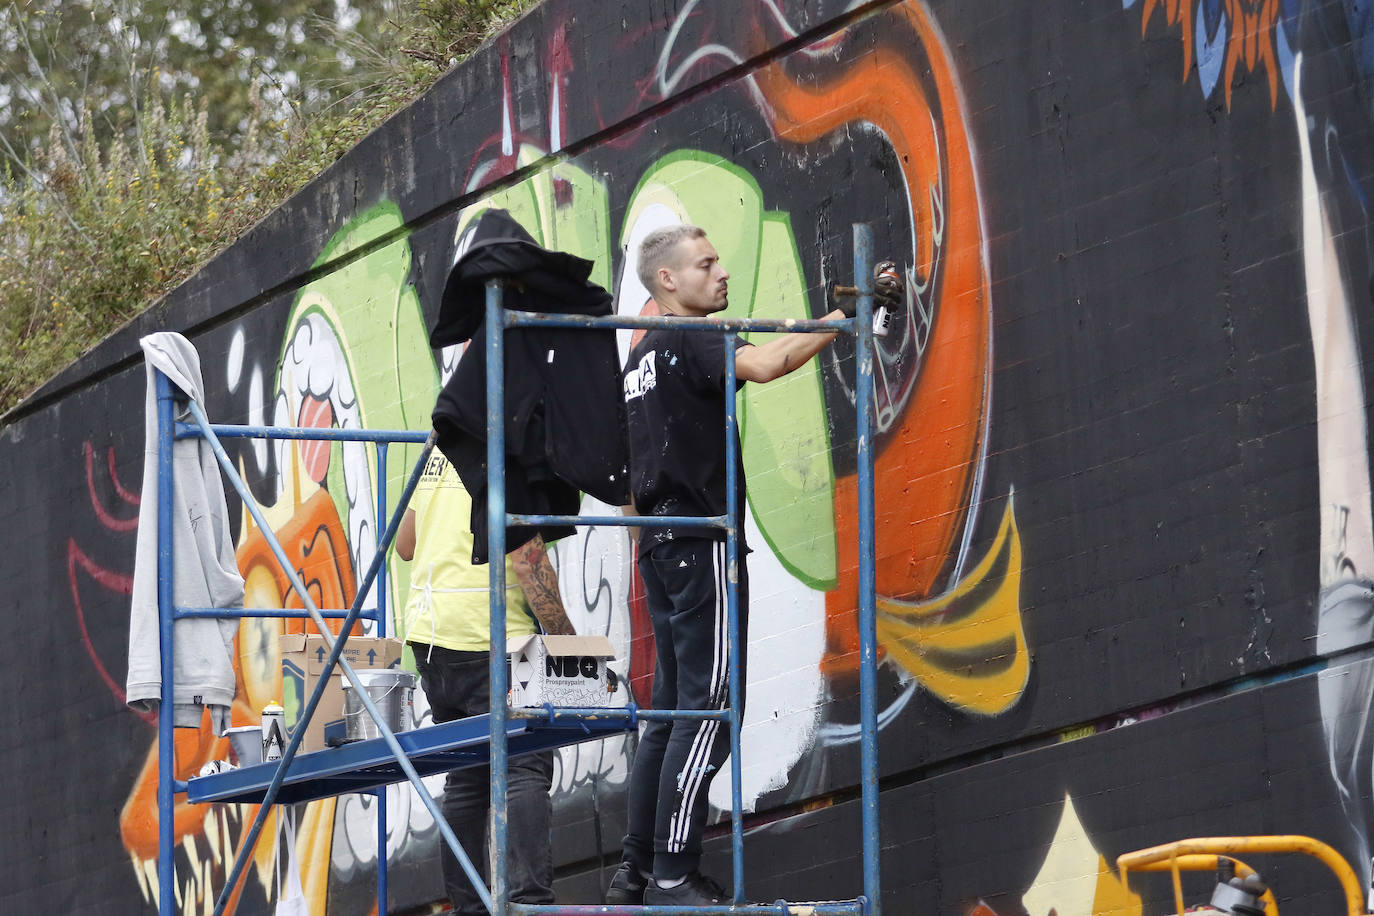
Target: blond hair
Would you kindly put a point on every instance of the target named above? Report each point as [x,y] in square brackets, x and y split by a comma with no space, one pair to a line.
[657,251]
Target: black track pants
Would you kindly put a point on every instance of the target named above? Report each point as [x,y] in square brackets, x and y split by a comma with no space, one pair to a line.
[685,587]
[457,685]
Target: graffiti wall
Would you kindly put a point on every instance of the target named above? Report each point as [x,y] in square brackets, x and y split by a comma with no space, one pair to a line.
[1125,537]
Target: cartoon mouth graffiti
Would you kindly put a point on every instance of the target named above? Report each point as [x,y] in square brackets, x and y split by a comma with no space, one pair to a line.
[325,520]
[208,836]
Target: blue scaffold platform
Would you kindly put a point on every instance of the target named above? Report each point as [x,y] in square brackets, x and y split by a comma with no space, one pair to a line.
[364,765]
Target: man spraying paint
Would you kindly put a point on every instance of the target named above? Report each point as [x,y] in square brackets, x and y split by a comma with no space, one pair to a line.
[674,388]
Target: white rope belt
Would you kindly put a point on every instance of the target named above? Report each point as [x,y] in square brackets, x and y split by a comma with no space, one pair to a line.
[426,605]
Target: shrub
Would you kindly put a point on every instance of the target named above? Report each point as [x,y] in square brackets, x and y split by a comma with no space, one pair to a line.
[92,233]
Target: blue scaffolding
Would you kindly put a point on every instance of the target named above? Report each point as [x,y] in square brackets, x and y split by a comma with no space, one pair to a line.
[494,738]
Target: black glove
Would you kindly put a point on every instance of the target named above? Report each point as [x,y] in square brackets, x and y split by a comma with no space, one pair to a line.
[889,290]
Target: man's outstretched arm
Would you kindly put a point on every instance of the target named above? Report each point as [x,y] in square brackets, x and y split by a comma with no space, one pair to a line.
[539,582]
[782,354]
[787,352]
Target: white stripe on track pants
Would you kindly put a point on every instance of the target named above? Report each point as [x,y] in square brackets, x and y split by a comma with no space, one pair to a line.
[685,587]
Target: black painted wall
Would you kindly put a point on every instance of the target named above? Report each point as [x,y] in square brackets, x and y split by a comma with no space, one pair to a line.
[1124,530]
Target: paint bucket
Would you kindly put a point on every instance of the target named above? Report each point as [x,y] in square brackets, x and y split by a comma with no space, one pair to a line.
[246,743]
[391,691]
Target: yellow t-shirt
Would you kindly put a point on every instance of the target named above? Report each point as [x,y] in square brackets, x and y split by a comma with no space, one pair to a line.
[447,605]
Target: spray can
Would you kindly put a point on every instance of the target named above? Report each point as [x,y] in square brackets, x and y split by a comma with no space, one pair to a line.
[273,731]
[882,316]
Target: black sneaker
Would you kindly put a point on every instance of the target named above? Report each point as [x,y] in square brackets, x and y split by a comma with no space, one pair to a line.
[697,890]
[627,886]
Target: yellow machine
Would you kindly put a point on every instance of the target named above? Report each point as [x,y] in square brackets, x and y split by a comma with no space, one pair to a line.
[1244,894]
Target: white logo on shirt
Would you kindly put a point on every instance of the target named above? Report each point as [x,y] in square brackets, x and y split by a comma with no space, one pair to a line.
[642,378]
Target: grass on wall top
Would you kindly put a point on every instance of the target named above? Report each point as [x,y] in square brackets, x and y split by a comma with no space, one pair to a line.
[92,233]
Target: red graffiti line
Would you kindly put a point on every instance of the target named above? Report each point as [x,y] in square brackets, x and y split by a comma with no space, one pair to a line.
[115,582]
[106,519]
[128,496]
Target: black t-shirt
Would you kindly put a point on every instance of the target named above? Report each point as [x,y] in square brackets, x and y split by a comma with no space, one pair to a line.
[674,383]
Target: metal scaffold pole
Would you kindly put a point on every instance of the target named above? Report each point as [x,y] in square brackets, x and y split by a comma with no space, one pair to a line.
[166,602]
[496,560]
[868,639]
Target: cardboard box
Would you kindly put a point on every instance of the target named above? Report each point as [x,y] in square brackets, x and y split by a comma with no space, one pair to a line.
[302,659]
[562,670]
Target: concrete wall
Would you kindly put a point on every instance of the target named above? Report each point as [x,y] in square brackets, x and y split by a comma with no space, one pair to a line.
[1124,522]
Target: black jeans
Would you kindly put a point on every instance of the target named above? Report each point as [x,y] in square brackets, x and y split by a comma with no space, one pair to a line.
[457,686]
[685,589]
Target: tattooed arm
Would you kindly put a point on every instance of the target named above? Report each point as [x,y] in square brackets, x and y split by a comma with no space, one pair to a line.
[540,584]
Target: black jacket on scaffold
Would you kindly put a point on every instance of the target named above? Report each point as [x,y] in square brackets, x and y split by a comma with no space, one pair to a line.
[565,418]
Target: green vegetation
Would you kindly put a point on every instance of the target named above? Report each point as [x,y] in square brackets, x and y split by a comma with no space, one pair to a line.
[136,141]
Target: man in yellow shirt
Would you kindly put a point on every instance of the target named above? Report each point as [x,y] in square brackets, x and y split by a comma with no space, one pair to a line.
[447,624]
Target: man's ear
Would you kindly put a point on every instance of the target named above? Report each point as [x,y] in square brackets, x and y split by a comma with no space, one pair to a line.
[665,279]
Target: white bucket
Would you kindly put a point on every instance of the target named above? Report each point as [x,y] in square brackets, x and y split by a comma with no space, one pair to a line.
[246,742]
[391,690]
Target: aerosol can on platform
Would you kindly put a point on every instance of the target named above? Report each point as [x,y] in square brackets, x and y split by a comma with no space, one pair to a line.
[273,731]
